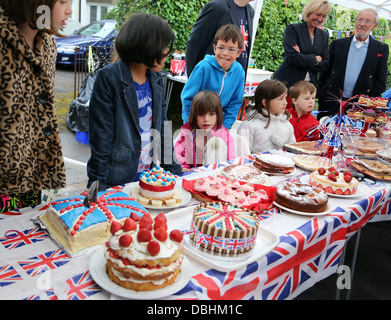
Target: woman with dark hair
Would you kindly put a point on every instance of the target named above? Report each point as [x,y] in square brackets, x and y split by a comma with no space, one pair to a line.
[128,127]
[305,46]
[31,156]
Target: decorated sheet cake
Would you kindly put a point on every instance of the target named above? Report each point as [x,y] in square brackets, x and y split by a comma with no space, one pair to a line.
[75,226]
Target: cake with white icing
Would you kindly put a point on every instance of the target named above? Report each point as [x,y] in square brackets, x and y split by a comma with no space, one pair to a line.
[333,181]
[223,228]
[144,255]
[273,163]
[76,227]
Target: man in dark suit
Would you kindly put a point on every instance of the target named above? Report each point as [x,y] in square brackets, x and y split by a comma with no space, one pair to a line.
[215,14]
[357,65]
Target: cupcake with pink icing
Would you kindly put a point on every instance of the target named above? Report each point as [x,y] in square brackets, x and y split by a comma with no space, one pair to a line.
[227,196]
[213,190]
[201,185]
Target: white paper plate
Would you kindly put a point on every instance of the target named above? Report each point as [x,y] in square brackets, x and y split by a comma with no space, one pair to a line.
[358,193]
[97,269]
[266,241]
[186,196]
[302,213]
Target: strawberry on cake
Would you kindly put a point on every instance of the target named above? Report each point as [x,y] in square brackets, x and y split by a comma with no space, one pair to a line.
[334,182]
[143,255]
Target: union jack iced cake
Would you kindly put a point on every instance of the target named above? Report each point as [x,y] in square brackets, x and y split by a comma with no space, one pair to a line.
[76,227]
[223,228]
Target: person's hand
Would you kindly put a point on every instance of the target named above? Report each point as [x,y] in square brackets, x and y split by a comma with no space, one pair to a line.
[318,59]
[185,169]
[296,47]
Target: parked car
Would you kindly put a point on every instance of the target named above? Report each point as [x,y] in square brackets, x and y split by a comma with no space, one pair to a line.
[100,35]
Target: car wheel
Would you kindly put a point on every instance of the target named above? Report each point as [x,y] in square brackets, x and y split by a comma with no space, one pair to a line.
[98,59]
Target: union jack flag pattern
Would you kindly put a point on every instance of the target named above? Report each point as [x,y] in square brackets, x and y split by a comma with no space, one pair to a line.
[43,262]
[8,275]
[217,285]
[15,239]
[250,87]
[81,287]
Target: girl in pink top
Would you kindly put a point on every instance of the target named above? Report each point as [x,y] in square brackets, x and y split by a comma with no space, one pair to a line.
[203,139]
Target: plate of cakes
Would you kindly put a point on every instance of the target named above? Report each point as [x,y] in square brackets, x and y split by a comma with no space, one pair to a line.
[142,259]
[335,183]
[302,199]
[236,192]
[245,172]
[221,235]
[158,189]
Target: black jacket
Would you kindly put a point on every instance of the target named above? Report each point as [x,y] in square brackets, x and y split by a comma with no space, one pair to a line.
[214,15]
[296,65]
[371,80]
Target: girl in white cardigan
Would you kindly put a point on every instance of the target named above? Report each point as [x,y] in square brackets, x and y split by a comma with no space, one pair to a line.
[267,125]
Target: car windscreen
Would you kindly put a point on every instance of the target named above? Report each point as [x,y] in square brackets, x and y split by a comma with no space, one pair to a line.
[97,29]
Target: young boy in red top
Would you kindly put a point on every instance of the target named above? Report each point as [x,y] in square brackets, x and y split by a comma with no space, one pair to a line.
[302,95]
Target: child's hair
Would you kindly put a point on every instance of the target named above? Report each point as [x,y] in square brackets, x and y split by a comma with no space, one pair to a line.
[268,89]
[22,11]
[143,38]
[204,102]
[301,87]
[229,32]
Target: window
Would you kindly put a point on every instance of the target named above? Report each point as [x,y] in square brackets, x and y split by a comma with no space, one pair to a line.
[93,13]
[103,11]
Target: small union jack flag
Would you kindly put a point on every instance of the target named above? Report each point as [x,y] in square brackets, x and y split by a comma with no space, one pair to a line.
[8,275]
[245,37]
[82,286]
[15,239]
[250,87]
[44,262]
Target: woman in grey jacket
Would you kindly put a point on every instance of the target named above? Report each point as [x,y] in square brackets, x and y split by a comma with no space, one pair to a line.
[128,127]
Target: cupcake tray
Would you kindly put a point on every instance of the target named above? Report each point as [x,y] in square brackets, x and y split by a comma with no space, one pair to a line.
[266,241]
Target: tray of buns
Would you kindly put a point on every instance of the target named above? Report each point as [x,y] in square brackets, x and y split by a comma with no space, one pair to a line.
[364,146]
[375,168]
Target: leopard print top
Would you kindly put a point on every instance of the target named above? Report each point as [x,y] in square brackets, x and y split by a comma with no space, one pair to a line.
[31,156]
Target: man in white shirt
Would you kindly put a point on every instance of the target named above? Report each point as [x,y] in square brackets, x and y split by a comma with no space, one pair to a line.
[358,65]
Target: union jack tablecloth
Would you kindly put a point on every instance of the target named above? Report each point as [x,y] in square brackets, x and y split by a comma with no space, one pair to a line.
[33,267]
